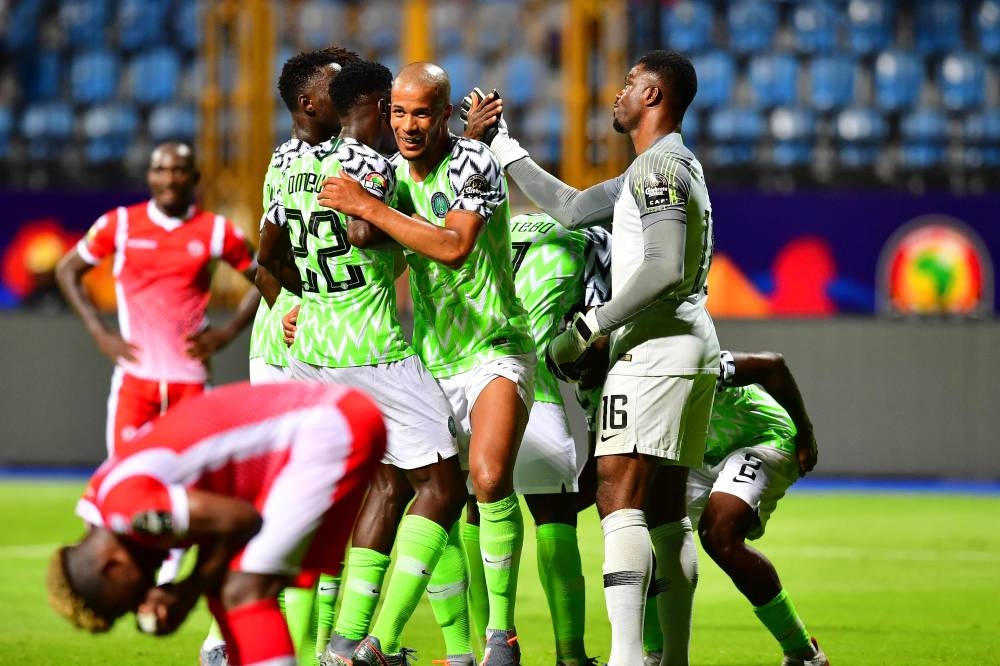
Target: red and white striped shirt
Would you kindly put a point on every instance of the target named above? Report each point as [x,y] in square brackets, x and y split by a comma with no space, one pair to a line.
[163,269]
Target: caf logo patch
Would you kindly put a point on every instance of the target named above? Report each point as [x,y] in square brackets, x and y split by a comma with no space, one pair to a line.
[476,186]
[374,183]
[439,204]
[451,426]
[656,191]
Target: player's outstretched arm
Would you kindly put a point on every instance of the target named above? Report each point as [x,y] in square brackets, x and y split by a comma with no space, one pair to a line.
[449,245]
[69,275]
[770,371]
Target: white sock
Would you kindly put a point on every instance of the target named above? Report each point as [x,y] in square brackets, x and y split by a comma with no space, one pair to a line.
[170,567]
[677,576]
[628,561]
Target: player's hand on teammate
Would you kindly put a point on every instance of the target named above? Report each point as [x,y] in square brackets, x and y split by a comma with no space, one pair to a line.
[567,352]
[481,115]
[806,451]
[344,194]
[203,344]
[114,346]
[166,607]
[289,324]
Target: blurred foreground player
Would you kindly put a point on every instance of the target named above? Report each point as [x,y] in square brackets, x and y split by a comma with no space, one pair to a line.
[266,480]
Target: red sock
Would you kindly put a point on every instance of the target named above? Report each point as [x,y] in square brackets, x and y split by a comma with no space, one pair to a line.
[256,633]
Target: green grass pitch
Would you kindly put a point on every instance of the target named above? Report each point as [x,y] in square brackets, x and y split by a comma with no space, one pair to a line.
[878,578]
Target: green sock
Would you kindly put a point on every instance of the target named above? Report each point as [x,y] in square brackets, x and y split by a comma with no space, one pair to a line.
[362,586]
[419,544]
[780,618]
[561,573]
[326,609]
[446,592]
[501,535]
[299,603]
[479,602]
[652,637]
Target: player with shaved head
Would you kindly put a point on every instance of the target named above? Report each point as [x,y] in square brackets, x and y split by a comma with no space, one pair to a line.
[470,328]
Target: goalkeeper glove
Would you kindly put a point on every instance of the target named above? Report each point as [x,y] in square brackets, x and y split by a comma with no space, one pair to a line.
[505,147]
[568,350]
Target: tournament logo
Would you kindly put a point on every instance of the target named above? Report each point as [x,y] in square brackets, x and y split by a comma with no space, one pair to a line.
[656,191]
[476,186]
[935,265]
[374,183]
[439,204]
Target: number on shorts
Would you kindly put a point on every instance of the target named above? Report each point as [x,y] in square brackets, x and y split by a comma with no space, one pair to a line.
[613,414]
[748,472]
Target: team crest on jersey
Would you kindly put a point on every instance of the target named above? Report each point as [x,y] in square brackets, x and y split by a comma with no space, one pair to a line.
[476,186]
[196,248]
[657,192]
[439,204]
[451,426]
[375,183]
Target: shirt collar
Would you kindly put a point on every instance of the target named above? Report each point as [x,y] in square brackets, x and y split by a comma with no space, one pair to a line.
[161,219]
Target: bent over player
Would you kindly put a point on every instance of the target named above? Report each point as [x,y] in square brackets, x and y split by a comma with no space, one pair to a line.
[266,480]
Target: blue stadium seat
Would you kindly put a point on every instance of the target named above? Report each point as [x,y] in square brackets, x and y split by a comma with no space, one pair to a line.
[981,135]
[504,21]
[716,74]
[938,26]
[94,76]
[447,24]
[773,79]
[524,79]
[752,24]
[870,25]
[187,24]
[47,127]
[463,70]
[898,77]
[543,127]
[322,23]
[39,74]
[986,24]
[379,23]
[814,26]
[859,133]
[142,23]
[962,79]
[794,132]
[85,22]
[924,134]
[691,129]
[179,122]
[108,131]
[831,82]
[687,26]
[154,76]
[734,132]
[6,129]
[22,25]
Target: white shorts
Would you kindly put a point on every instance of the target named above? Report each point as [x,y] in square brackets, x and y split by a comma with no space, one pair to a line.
[262,372]
[421,430]
[759,475]
[463,389]
[549,460]
[665,416]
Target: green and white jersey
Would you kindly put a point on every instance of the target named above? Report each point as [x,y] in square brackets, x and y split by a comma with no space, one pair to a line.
[550,275]
[348,316]
[674,335]
[745,416]
[266,339]
[470,315]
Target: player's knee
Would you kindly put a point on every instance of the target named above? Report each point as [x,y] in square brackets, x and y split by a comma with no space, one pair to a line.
[717,538]
[490,480]
[242,588]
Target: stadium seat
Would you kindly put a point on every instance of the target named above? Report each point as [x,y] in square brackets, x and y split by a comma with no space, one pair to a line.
[898,78]
[691,128]
[94,76]
[379,24]
[154,76]
[734,132]
[986,24]
[831,82]
[22,25]
[525,75]
[178,122]
[752,24]
[687,26]
[870,25]
[773,79]
[794,132]
[187,24]
[108,132]
[463,70]
[815,25]
[39,75]
[85,22]
[962,79]
[322,23]
[924,134]
[504,20]
[859,132]
[543,127]
[142,23]
[447,23]
[716,74]
[47,127]
[981,138]
[6,129]
[938,26]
